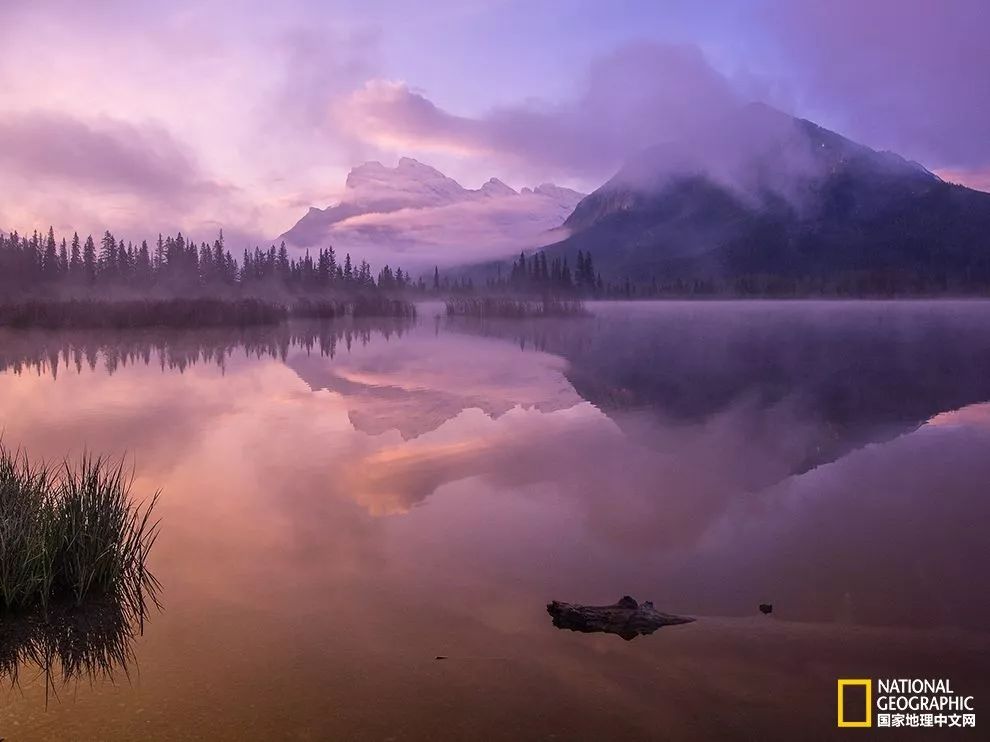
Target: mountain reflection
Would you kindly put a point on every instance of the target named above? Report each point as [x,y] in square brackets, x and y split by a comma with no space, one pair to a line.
[861,372]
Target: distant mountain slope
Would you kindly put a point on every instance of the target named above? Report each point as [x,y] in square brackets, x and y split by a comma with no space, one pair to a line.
[416,210]
[763,196]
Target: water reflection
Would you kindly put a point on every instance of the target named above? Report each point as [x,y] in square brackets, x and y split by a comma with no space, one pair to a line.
[339,519]
[92,643]
[858,371]
[48,352]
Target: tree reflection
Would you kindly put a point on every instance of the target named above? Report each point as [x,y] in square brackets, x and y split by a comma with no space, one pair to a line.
[51,353]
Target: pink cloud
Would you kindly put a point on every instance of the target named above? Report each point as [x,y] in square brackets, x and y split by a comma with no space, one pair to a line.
[109,155]
[642,94]
[978,179]
[102,173]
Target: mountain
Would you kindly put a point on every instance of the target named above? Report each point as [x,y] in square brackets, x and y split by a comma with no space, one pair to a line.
[414,213]
[760,199]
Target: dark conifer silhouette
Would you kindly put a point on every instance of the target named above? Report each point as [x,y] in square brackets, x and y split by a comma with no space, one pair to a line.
[37,267]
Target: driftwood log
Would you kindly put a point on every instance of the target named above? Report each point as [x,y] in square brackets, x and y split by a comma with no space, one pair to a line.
[627,618]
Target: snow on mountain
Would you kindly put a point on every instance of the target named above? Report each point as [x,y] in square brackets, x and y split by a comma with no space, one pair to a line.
[415,215]
[496,188]
[409,184]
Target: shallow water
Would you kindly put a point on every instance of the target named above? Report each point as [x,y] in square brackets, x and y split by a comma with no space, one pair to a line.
[341,504]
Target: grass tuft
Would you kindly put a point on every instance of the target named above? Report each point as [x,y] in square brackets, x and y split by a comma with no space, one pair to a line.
[68,533]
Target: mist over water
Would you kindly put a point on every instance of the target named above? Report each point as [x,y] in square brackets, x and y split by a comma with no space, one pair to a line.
[828,456]
[343,502]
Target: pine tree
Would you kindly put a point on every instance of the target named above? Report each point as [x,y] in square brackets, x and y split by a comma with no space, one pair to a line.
[49,263]
[124,261]
[159,259]
[75,256]
[142,268]
[63,258]
[89,260]
[108,255]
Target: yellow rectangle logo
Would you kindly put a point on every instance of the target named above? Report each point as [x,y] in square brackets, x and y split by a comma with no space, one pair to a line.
[867,685]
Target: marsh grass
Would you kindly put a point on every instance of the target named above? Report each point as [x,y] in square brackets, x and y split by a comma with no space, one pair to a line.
[71,533]
[504,307]
[185,313]
[119,315]
[357,306]
[381,306]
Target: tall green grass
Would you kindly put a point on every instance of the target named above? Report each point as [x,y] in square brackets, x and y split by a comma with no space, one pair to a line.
[72,532]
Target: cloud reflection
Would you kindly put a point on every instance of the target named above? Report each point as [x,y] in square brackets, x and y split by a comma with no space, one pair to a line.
[489,462]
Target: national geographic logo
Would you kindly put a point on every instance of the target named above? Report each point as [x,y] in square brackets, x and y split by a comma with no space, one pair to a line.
[903,702]
[855,702]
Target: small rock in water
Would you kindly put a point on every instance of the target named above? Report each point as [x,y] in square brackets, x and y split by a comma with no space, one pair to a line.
[766,608]
[627,618]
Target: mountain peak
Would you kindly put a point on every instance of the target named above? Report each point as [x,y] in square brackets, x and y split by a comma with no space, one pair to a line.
[760,194]
[373,187]
[552,190]
[409,165]
[495,187]
[434,208]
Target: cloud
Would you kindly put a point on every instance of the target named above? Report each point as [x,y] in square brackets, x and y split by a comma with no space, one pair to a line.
[283,99]
[642,94]
[452,234]
[103,173]
[978,179]
[899,76]
[909,76]
[319,65]
[111,156]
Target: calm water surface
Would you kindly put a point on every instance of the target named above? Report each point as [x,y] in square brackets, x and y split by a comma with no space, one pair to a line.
[343,503]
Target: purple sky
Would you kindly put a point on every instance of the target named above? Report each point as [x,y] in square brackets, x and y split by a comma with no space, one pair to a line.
[143,115]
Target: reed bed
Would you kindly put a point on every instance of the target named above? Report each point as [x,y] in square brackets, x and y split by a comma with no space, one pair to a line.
[69,533]
[358,306]
[191,313]
[502,307]
[382,306]
[120,315]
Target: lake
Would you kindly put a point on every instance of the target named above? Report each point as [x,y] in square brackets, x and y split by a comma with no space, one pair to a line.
[345,503]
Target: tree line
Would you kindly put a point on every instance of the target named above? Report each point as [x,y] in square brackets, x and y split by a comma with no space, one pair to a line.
[538,275]
[176,266]
[41,263]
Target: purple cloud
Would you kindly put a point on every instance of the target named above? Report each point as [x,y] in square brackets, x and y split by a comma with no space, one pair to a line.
[107,155]
[631,99]
[908,76]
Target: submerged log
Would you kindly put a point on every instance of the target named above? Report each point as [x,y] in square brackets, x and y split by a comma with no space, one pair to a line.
[627,618]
